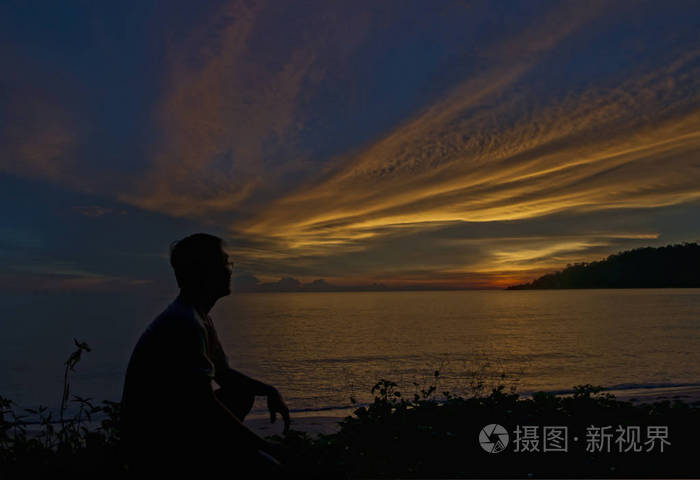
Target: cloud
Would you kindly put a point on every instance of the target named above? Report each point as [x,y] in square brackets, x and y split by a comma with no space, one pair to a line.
[300,131]
[41,136]
[481,254]
[232,111]
[631,146]
[96,211]
[61,277]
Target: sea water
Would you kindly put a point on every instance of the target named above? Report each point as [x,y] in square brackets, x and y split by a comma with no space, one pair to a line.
[323,350]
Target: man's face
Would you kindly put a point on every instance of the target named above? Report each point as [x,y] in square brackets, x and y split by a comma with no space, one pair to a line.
[226,273]
[220,276]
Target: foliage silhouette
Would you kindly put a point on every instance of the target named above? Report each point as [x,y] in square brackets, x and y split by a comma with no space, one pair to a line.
[672,266]
[42,446]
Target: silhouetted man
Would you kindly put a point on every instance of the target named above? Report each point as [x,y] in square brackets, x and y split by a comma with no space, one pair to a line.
[172,419]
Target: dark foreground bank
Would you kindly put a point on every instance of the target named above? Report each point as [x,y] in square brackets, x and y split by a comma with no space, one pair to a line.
[587,434]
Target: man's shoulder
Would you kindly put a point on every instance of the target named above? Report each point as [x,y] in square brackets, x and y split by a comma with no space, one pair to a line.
[178,313]
[163,350]
[178,310]
[177,319]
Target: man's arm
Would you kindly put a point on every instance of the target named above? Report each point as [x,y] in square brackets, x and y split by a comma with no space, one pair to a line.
[234,379]
[227,377]
[197,378]
[228,422]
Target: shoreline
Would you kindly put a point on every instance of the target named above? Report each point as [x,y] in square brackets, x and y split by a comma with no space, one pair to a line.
[326,422]
[685,393]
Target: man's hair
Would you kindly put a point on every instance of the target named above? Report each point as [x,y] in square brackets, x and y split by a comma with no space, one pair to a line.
[193,256]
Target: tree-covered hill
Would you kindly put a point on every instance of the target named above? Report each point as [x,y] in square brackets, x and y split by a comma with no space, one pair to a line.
[676,266]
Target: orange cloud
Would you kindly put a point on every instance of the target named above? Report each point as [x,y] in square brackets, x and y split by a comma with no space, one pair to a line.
[598,150]
[487,151]
[40,138]
[492,148]
[229,113]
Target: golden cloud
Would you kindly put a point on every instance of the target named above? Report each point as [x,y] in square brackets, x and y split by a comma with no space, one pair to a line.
[598,150]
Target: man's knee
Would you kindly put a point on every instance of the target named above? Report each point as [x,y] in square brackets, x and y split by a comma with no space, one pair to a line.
[239,402]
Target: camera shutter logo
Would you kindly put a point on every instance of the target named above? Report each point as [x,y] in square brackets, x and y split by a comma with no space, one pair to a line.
[493,438]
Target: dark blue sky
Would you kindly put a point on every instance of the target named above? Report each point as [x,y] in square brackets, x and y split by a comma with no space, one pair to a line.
[439,143]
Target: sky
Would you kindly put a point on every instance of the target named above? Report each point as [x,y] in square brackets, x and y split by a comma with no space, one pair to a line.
[450,144]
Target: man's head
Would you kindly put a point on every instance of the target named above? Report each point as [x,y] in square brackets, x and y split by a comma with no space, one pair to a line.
[201,265]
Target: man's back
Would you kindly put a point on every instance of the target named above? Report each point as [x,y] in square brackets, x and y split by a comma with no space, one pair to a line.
[167,384]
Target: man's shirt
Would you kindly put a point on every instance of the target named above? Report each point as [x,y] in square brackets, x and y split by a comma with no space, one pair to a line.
[171,368]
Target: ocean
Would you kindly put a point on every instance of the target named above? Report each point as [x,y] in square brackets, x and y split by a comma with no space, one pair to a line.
[323,349]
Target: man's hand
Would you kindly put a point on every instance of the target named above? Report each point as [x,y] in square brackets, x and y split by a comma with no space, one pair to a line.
[275,403]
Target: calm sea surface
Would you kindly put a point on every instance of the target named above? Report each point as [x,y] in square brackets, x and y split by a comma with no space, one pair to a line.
[320,349]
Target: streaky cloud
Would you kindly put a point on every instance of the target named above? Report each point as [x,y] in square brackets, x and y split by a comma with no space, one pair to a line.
[627,147]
